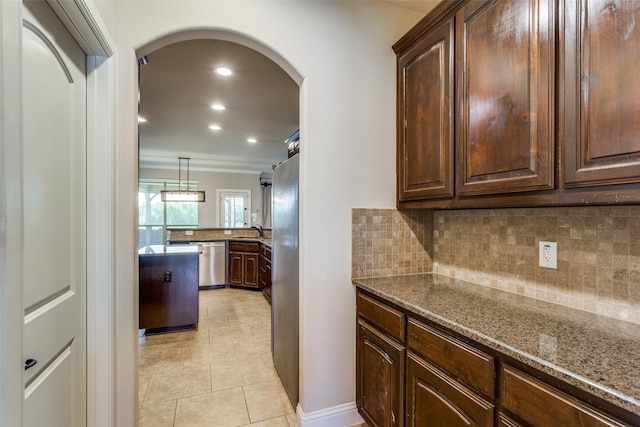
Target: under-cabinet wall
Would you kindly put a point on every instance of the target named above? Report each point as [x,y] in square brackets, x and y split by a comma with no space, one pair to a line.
[598,251]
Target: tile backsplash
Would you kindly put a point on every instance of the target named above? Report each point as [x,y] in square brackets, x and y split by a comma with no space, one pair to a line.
[598,251]
[180,235]
[389,242]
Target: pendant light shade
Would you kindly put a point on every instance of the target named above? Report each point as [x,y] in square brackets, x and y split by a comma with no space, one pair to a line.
[181,195]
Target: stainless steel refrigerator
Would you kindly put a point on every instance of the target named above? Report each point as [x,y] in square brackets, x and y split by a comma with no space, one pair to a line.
[284,291]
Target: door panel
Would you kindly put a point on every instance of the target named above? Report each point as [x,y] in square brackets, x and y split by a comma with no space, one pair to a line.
[600,109]
[434,398]
[504,80]
[425,96]
[54,220]
[43,393]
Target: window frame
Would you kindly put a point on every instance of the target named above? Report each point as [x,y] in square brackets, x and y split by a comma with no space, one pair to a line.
[221,193]
[164,184]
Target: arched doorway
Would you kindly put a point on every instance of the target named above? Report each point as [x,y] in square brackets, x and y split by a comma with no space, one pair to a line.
[180,44]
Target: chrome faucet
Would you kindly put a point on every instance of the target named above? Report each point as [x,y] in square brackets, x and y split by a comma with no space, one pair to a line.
[260,229]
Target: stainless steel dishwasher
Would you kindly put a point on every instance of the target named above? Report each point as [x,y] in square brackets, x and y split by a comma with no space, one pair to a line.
[212,265]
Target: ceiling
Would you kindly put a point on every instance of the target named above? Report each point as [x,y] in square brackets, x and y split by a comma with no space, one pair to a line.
[178,85]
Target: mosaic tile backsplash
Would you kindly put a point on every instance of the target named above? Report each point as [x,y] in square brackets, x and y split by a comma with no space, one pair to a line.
[387,242]
[598,251]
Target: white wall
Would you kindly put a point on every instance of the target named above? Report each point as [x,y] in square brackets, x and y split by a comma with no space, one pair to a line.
[341,53]
[210,182]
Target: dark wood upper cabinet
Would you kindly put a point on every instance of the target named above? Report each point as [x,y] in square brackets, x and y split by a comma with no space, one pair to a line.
[519,103]
[504,91]
[599,92]
[425,116]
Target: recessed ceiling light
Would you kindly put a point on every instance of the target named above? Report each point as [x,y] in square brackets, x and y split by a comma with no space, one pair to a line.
[141,120]
[218,107]
[215,127]
[252,140]
[223,71]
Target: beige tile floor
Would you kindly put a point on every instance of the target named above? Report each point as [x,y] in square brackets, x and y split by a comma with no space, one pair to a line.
[220,375]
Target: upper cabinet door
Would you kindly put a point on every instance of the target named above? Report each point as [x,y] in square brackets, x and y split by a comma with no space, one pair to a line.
[504,92]
[425,116]
[599,92]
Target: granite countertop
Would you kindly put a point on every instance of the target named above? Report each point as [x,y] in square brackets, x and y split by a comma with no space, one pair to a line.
[169,250]
[594,353]
[263,240]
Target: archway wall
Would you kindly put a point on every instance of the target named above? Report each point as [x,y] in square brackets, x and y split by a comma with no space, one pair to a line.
[340,53]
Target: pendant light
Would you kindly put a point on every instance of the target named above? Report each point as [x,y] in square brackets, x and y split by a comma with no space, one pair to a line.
[181,195]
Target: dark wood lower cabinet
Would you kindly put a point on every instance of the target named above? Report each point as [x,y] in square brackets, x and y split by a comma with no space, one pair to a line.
[236,276]
[435,399]
[435,378]
[243,264]
[168,290]
[380,367]
[250,266]
[505,421]
[264,272]
[540,404]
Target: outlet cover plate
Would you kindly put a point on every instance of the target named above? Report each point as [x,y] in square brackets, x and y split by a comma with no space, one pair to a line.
[548,257]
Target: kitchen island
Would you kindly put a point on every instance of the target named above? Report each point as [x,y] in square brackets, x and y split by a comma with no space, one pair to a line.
[168,287]
[574,364]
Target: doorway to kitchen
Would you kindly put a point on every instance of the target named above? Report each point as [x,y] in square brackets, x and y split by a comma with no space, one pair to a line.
[228,108]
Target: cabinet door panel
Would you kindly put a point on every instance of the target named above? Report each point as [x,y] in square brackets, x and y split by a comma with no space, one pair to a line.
[600,117]
[425,110]
[250,270]
[504,60]
[235,268]
[433,398]
[380,378]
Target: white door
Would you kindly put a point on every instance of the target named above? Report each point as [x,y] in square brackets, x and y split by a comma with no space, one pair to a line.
[54,221]
[235,206]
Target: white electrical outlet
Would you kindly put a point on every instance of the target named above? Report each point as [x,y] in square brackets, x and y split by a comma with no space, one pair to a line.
[188,233]
[227,231]
[548,255]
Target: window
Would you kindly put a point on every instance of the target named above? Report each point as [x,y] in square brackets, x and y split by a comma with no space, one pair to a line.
[154,216]
[235,206]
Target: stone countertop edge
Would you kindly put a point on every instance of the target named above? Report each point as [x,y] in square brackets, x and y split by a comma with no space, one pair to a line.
[266,242]
[515,325]
[154,250]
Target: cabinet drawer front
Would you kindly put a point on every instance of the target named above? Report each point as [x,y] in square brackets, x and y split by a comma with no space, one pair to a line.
[542,405]
[384,317]
[265,260]
[434,398]
[264,250]
[468,364]
[243,246]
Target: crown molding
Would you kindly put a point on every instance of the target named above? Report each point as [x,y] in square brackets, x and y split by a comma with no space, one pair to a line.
[150,159]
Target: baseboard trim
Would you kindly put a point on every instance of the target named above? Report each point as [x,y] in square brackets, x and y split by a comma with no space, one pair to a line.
[344,415]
